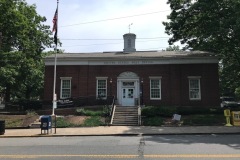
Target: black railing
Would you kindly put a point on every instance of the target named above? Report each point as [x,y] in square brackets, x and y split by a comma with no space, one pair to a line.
[112,106]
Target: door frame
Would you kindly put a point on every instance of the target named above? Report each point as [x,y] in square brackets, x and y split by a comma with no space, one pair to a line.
[127,77]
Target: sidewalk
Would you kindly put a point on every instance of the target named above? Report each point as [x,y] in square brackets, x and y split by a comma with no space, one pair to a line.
[122,130]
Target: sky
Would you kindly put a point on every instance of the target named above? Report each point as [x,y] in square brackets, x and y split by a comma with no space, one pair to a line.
[86,26]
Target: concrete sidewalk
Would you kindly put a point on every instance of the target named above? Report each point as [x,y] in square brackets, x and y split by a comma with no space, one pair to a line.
[122,130]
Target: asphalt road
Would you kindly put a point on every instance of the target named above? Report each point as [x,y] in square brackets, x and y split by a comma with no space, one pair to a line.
[122,147]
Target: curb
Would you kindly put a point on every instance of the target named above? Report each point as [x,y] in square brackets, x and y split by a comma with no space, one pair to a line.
[133,134]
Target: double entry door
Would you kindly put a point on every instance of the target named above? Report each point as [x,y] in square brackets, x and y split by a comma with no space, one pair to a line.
[128,96]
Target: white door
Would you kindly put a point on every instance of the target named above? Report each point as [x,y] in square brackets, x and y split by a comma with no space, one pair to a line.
[128,96]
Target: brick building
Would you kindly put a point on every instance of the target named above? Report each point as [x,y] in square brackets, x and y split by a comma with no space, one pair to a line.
[150,78]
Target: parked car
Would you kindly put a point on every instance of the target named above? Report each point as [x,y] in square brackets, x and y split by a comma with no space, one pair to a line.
[228,102]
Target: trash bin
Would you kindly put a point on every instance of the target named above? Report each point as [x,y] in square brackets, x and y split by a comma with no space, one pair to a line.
[46,123]
[236,118]
[2,127]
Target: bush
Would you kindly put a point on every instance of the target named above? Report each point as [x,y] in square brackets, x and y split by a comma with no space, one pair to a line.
[204,120]
[153,111]
[31,113]
[83,112]
[29,104]
[198,110]
[62,123]
[152,121]
[93,121]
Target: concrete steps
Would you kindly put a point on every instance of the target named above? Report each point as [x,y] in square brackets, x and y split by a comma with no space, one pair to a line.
[125,116]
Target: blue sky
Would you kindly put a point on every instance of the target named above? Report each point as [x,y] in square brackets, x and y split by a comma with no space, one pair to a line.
[89,22]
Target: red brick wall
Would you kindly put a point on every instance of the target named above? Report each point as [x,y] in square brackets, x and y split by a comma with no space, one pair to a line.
[175,85]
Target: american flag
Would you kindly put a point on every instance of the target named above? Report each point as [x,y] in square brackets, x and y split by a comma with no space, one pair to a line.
[55,21]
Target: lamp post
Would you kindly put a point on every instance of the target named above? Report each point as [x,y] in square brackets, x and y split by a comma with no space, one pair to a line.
[142,91]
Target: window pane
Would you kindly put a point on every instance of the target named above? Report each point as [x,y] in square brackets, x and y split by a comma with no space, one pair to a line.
[155,87]
[66,84]
[102,88]
[155,93]
[101,84]
[66,93]
[194,88]
[66,88]
[155,84]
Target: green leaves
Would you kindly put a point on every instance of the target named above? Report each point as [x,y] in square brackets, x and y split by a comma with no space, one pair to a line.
[212,26]
[24,37]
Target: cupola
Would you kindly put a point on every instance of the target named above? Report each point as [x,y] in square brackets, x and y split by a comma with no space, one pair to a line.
[129,42]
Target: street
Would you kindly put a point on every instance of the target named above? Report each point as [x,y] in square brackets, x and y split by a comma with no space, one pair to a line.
[122,147]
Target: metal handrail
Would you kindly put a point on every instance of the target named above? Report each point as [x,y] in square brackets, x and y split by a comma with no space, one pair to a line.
[139,111]
[112,109]
[139,115]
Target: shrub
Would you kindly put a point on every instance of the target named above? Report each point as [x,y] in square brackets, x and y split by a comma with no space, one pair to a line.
[62,123]
[93,121]
[153,111]
[152,121]
[29,104]
[198,110]
[31,113]
[204,120]
[83,112]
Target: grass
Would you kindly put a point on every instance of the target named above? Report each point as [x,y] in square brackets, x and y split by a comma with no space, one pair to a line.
[62,123]
[83,112]
[152,121]
[152,116]
[93,121]
[13,121]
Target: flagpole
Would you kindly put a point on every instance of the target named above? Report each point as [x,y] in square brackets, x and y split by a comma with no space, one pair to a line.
[55,69]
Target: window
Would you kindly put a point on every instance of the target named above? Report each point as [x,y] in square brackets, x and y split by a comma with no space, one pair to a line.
[65,87]
[102,88]
[194,88]
[155,88]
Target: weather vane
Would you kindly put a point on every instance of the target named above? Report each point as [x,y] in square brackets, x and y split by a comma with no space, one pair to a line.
[129,27]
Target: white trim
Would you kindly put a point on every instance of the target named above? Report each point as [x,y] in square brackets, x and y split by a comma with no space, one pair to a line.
[160,80]
[155,77]
[136,61]
[199,84]
[194,77]
[102,78]
[127,77]
[66,78]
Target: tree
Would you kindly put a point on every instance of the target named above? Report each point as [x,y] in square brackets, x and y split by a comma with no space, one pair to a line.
[173,48]
[24,38]
[212,26]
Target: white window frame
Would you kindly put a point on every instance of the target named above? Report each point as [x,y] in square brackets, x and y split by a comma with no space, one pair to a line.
[105,79]
[198,78]
[70,88]
[159,78]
